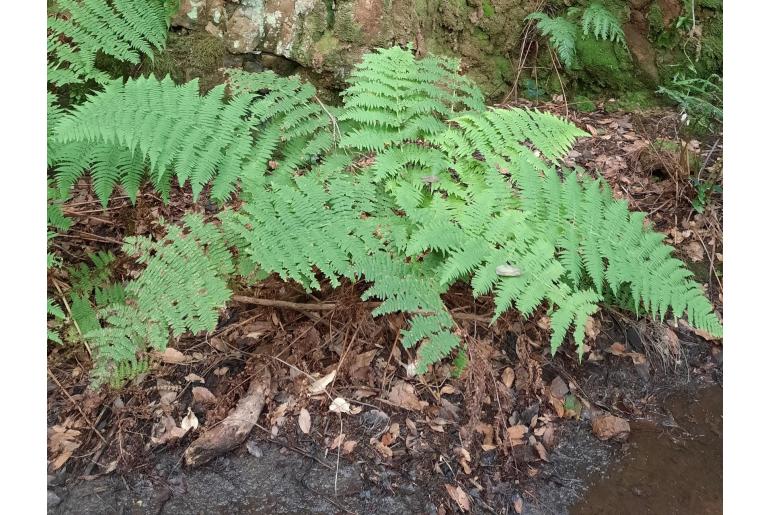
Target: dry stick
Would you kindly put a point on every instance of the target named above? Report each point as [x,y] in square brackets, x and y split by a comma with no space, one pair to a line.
[558,76]
[88,421]
[330,306]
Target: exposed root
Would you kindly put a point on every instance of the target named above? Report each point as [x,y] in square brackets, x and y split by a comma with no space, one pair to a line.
[234,429]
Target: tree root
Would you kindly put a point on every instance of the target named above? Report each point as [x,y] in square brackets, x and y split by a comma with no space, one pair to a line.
[234,429]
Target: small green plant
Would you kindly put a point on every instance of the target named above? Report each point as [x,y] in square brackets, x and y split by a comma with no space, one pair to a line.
[700,101]
[704,189]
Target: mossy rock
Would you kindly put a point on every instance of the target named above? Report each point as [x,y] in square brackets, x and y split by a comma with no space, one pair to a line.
[604,65]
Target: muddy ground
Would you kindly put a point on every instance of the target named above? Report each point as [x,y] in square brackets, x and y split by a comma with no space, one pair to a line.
[515,433]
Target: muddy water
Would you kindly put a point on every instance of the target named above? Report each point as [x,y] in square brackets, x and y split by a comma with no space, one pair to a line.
[672,468]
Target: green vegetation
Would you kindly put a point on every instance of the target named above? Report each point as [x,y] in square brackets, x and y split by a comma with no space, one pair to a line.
[700,101]
[562,31]
[411,186]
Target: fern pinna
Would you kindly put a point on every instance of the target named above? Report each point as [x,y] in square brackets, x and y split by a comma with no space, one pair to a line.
[124,30]
[411,185]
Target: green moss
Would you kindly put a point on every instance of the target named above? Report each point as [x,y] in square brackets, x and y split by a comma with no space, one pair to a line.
[504,68]
[345,27]
[326,44]
[655,19]
[584,104]
[633,101]
[186,57]
[489,11]
[604,65]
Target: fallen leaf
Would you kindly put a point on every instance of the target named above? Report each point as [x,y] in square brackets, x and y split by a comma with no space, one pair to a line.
[508,377]
[459,496]
[171,355]
[348,446]
[62,441]
[384,450]
[488,432]
[190,421]
[518,504]
[194,378]
[516,434]
[617,349]
[339,405]
[402,394]
[541,451]
[359,368]
[593,328]
[591,129]
[221,371]
[165,430]
[203,395]
[337,441]
[558,405]
[320,385]
[218,344]
[447,390]
[558,387]
[694,251]
[304,420]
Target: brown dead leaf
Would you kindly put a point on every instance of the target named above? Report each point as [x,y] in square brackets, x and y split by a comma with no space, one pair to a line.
[694,251]
[221,371]
[165,431]
[558,405]
[459,496]
[591,129]
[359,368]
[348,446]
[203,395]
[337,441]
[384,450]
[194,378]
[593,328]
[319,386]
[617,349]
[62,441]
[508,377]
[304,420]
[516,434]
[518,504]
[488,432]
[171,355]
[218,344]
[541,451]
[402,394]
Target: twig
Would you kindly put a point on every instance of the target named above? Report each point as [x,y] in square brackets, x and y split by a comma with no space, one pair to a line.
[558,76]
[331,306]
[88,421]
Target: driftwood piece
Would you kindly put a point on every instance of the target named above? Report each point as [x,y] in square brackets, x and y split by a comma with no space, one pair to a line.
[234,429]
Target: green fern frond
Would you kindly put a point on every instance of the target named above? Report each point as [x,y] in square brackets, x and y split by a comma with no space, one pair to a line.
[598,20]
[560,32]
[125,30]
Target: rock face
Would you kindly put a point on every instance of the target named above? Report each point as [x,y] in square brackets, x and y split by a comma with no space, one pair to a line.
[327,37]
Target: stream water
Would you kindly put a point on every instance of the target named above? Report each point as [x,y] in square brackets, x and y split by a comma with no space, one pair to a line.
[674,469]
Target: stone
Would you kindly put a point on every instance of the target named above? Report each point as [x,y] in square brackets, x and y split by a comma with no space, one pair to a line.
[190,14]
[610,427]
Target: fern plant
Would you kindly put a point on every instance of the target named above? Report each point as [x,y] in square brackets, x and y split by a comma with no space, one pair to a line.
[602,23]
[415,187]
[124,30]
[562,31]
[154,126]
